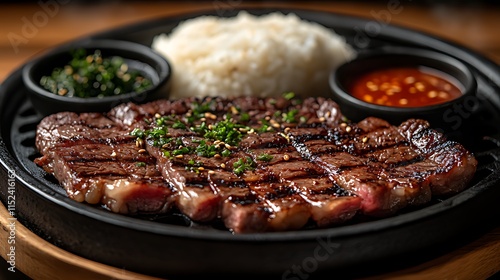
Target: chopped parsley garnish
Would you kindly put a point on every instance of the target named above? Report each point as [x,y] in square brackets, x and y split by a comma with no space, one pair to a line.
[289,95]
[265,157]
[265,127]
[289,117]
[162,141]
[225,131]
[140,164]
[193,165]
[199,109]
[244,117]
[182,151]
[178,125]
[200,129]
[137,132]
[225,153]
[242,165]
[205,150]
[161,121]
[210,133]
[157,132]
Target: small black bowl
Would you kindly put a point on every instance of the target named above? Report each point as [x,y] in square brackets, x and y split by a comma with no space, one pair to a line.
[138,57]
[437,115]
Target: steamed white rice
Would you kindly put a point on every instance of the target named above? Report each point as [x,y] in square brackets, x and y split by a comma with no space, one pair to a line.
[252,56]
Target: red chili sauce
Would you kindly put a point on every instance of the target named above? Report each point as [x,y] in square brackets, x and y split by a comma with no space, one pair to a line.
[405,87]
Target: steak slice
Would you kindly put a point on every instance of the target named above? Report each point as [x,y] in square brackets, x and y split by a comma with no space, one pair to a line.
[302,190]
[96,161]
[388,167]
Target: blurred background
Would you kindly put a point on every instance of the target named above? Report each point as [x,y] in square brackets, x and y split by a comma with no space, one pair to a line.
[30,26]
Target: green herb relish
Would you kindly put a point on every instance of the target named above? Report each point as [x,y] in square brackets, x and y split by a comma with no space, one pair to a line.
[94,76]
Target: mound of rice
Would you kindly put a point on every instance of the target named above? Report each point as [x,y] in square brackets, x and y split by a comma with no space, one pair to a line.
[251,56]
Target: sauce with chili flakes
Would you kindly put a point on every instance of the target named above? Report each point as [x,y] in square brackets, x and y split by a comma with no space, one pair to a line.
[405,87]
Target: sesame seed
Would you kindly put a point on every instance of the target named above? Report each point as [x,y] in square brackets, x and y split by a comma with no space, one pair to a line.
[396,89]
[179,156]
[274,124]
[142,151]
[234,110]
[443,95]
[210,116]
[373,88]
[217,156]
[409,80]
[251,131]
[343,124]
[322,119]
[222,165]
[62,91]
[211,172]
[157,116]
[113,154]
[227,146]
[164,146]
[286,157]
[201,168]
[287,129]
[368,98]
[327,114]
[203,119]
[348,129]
[365,139]
[420,86]
[267,118]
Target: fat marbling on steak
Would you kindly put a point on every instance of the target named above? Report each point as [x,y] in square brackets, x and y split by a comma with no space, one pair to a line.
[257,164]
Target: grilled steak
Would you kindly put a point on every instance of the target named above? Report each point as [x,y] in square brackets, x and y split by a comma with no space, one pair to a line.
[257,164]
[98,162]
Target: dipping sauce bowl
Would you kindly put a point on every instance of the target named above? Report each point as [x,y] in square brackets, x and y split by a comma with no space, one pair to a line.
[137,57]
[401,83]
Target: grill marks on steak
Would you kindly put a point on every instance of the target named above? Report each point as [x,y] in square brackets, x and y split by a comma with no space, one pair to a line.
[275,196]
[388,167]
[97,161]
[320,169]
[299,190]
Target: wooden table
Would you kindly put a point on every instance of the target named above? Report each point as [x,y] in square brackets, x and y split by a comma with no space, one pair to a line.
[29,28]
